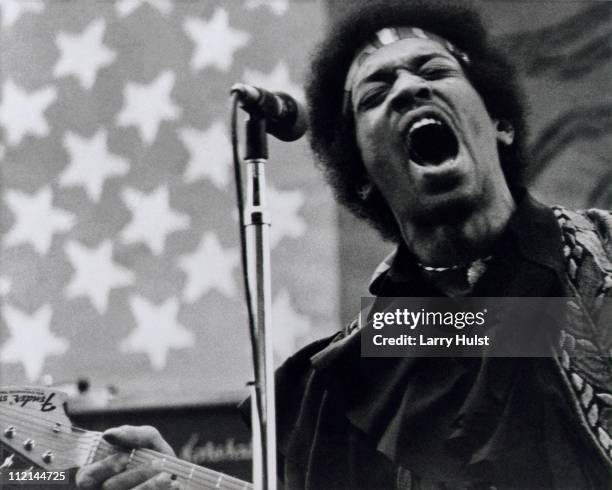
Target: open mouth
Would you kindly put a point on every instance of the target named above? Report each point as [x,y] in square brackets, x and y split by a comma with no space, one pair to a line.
[431,142]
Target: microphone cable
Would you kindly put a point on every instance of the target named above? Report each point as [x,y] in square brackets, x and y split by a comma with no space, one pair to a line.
[235,99]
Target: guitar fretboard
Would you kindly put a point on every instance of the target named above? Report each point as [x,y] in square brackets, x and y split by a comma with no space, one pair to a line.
[191,476]
[71,447]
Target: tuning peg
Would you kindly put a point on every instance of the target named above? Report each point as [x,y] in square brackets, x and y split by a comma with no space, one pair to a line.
[47,457]
[28,444]
[9,432]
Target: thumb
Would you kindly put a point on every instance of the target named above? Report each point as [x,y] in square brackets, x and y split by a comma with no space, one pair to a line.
[129,437]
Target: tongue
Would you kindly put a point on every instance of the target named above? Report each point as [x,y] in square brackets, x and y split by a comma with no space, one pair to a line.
[432,144]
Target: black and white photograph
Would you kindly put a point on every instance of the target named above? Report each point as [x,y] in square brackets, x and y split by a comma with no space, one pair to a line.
[305,244]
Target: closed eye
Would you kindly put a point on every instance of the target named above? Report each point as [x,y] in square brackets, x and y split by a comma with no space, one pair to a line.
[372,90]
[371,97]
[437,69]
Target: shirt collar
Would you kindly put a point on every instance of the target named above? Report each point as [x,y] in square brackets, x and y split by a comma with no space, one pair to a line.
[532,228]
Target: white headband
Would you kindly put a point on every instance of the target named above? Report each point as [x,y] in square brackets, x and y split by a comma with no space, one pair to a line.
[390,35]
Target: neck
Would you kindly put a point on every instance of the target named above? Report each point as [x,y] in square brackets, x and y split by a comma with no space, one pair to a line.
[461,241]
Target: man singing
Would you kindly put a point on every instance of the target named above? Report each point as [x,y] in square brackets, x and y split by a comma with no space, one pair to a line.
[418,123]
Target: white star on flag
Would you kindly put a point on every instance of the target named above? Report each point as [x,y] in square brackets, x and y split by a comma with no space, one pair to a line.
[36,220]
[146,106]
[215,41]
[278,79]
[288,325]
[278,7]
[13,9]
[82,55]
[91,163]
[157,330]
[152,218]
[22,112]
[209,154]
[126,7]
[95,273]
[284,208]
[31,340]
[116,163]
[209,267]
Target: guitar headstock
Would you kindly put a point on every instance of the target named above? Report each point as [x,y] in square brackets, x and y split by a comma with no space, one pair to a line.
[34,424]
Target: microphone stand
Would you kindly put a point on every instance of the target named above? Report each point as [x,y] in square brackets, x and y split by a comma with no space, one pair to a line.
[257,231]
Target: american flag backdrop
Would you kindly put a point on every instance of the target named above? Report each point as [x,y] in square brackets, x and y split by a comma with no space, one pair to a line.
[119,248]
[119,254]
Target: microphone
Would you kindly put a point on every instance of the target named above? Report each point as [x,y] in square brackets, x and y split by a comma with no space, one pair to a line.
[285,117]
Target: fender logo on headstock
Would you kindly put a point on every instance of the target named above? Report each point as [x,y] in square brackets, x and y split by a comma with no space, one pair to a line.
[45,400]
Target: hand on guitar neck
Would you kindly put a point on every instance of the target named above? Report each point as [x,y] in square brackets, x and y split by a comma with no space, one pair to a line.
[34,425]
[115,471]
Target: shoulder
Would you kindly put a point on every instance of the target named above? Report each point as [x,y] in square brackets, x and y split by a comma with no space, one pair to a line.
[295,378]
[290,381]
[299,364]
[296,367]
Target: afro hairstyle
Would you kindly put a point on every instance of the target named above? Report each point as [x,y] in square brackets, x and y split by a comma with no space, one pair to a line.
[332,131]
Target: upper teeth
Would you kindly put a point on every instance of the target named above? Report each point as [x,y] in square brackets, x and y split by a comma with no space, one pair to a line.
[424,122]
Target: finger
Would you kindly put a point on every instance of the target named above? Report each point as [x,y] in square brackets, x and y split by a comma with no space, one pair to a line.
[163,481]
[92,475]
[131,436]
[132,478]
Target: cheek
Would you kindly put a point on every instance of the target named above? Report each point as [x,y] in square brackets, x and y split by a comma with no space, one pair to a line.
[373,130]
[366,141]
[480,121]
[479,127]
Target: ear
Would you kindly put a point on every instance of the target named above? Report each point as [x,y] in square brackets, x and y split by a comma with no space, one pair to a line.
[505,131]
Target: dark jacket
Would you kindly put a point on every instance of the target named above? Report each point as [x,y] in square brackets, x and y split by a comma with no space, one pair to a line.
[331,434]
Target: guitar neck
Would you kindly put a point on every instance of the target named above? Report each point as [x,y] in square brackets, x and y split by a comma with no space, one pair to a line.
[191,476]
[34,425]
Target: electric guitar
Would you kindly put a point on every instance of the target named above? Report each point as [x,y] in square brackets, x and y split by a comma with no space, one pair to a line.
[34,425]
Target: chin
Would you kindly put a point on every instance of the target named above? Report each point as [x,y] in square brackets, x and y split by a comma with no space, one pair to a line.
[450,209]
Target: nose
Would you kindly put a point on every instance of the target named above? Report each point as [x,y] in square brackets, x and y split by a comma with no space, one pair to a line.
[408,90]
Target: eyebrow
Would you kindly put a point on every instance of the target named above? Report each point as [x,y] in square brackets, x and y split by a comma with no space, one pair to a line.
[384,72]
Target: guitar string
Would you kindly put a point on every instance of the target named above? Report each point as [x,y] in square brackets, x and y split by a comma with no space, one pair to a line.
[229,482]
[169,461]
[34,432]
[242,485]
[61,460]
[209,475]
[105,448]
[68,429]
